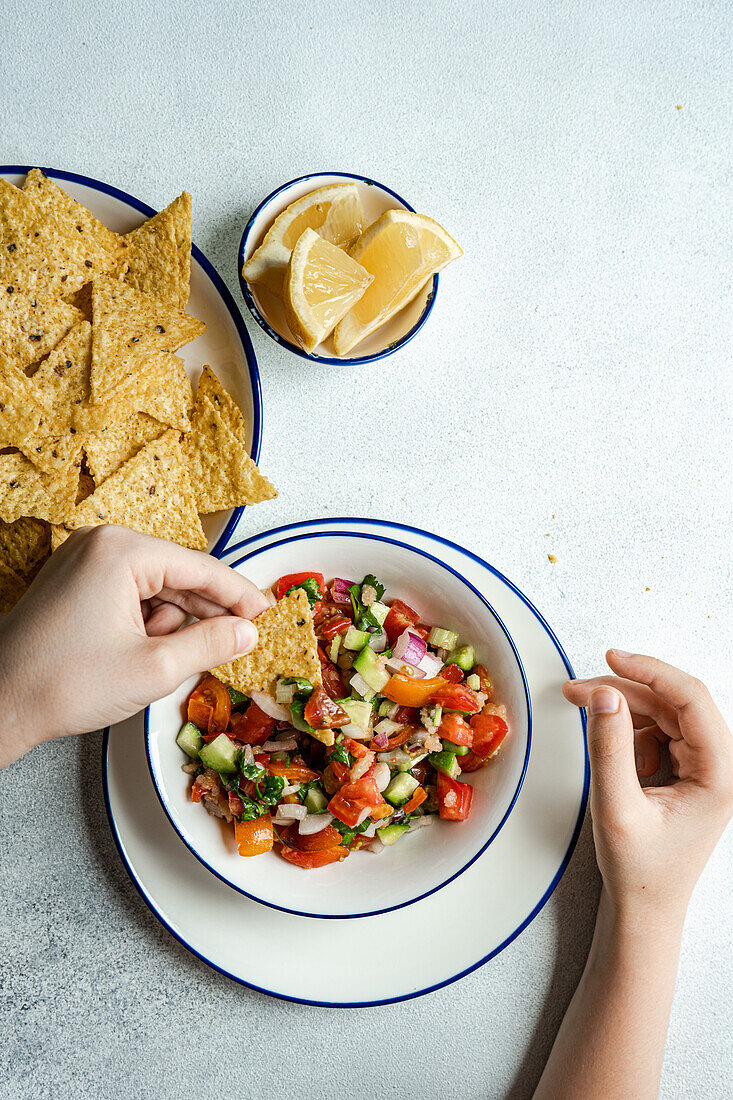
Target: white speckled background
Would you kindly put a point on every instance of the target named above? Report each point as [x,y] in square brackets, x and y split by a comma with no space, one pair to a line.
[570,395]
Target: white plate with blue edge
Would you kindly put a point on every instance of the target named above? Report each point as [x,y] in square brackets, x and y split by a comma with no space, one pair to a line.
[484,908]
[225,346]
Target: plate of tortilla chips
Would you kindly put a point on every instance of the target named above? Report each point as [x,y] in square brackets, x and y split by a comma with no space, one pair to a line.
[129,390]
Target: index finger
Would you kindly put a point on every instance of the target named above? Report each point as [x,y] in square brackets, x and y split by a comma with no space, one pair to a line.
[159,565]
[697,714]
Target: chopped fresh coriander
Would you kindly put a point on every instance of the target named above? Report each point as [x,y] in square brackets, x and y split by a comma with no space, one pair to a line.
[371,580]
[311,785]
[312,589]
[347,833]
[339,752]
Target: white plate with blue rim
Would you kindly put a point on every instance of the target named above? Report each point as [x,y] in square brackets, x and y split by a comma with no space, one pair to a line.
[267,308]
[484,908]
[225,346]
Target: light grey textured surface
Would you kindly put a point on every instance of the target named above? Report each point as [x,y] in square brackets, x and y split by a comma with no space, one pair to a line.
[568,396]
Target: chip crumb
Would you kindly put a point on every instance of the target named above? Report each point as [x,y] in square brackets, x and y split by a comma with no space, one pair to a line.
[552,558]
[679,106]
[647,589]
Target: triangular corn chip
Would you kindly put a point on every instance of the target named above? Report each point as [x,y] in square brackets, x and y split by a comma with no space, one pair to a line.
[222,473]
[127,327]
[54,457]
[37,255]
[59,535]
[24,491]
[107,449]
[210,387]
[160,388]
[286,647]
[151,493]
[30,326]
[151,261]
[25,545]
[61,383]
[12,587]
[67,212]
[20,414]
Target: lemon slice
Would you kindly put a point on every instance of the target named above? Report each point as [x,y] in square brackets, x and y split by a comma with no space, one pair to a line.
[334,211]
[402,251]
[321,285]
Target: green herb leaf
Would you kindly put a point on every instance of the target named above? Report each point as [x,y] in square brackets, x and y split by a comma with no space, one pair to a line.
[311,785]
[370,579]
[312,589]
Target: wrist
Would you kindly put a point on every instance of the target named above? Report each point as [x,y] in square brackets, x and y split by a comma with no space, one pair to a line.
[21,726]
[640,922]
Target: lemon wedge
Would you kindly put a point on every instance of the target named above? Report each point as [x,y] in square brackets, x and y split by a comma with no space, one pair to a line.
[322,284]
[402,250]
[335,212]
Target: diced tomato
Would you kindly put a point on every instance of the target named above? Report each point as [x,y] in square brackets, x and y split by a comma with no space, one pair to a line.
[262,758]
[452,673]
[335,774]
[399,617]
[291,579]
[236,806]
[382,810]
[209,706]
[322,713]
[293,772]
[254,837]
[456,729]
[333,685]
[356,748]
[310,860]
[339,624]
[197,791]
[489,731]
[421,630]
[253,727]
[407,716]
[417,800]
[456,697]
[485,682]
[410,692]
[454,798]
[349,803]
[397,739]
[316,842]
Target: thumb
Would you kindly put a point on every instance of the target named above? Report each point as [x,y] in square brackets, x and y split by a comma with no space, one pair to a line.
[614,782]
[202,645]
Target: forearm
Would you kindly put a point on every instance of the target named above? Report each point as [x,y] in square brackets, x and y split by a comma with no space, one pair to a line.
[611,1043]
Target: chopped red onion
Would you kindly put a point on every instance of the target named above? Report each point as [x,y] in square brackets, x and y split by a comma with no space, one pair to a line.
[411,648]
[421,822]
[287,813]
[381,775]
[381,740]
[371,829]
[361,767]
[378,642]
[430,665]
[362,816]
[376,847]
[314,823]
[361,687]
[340,591]
[397,664]
[356,732]
[267,704]
[280,746]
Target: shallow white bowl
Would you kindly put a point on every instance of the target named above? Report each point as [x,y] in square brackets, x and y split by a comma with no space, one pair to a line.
[267,308]
[421,863]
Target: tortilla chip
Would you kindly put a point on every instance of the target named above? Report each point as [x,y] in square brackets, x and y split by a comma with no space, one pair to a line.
[25,545]
[286,647]
[150,493]
[127,327]
[30,326]
[61,383]
[37,255]
[59,535]
[161,389]
[180,209]
[24,491]
[54,457]
[108,449]
[67,212]
[12,587]
[210,387]
[221,471]
[20,414]
[151,260]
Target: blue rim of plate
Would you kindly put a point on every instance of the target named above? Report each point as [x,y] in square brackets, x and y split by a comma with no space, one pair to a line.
[267,327]
[530,916]
[220,286]
[484,846]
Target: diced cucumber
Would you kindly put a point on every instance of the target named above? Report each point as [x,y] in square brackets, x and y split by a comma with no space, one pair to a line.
[355,639]
[371,669]
[435,714]
[474,682]
[315,802]
[190,740]
[297,716]
[221,754]
[387,726]
[334,649]
[401,789]
[390,834]
[237,697]
[411,761]
[284,693]
[457,750]
[385,708]
[442,639]
[358,684]
[464,657]
[446,762]
[358,710]
[379,611]
[302,686]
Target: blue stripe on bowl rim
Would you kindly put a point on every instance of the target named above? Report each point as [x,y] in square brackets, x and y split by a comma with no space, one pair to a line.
[497,830]
[267,327]
[151,904]
[219,285]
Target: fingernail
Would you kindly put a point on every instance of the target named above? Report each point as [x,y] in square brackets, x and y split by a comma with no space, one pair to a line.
[604,700]
[578,680]
[621,653]
[246,636]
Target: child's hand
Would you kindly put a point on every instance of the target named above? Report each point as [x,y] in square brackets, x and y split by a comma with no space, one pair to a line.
[96,636]
[652,843]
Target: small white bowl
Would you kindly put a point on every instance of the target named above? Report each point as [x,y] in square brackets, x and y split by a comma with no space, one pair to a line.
[267,308]
[419,864]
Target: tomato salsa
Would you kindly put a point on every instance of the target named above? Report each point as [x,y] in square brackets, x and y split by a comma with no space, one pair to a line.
[369,755]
